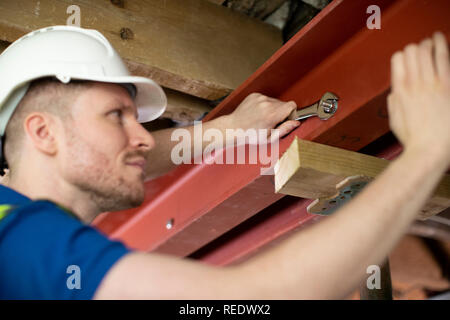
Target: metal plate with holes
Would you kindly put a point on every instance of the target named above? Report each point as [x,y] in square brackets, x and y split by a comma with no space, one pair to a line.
[346,190]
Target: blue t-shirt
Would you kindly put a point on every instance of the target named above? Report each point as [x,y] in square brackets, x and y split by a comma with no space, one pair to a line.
[48,253]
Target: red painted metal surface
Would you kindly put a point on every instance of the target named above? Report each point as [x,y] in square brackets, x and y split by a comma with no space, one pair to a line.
[272,225]
[260,232]
[334,52]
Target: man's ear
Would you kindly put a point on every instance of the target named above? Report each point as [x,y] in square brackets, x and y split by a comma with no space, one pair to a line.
[40,130]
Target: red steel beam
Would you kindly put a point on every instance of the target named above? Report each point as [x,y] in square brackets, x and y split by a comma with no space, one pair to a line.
[334,52]
[271,226]
[260,232]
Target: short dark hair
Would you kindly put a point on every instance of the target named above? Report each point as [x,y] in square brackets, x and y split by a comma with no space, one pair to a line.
[44,95]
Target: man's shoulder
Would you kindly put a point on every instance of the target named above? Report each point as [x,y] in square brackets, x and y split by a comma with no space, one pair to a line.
[17,206]
[39,241]
[9,196]
[39,211]
[41,222]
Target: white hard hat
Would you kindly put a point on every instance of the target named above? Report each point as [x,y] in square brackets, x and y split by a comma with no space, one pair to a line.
[68,52]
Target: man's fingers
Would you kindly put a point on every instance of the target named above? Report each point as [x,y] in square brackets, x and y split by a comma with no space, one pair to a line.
[287,127]
[397,70]
[412,64]
[285,109]
[427,69]
[290,106]
[391,101]
[441,56]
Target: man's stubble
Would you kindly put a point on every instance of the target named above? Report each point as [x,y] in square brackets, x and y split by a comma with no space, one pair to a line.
[94,173]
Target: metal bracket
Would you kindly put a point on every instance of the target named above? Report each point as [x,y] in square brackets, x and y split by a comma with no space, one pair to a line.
[346,190]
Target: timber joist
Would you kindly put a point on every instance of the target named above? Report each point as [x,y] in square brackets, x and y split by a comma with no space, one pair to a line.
[335,52]
[191,46]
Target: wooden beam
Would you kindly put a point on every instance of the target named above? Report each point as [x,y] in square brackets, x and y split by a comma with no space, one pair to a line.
[184,109]
[219,2]
[191,46]
[259,9]
[312,170]
[3,45]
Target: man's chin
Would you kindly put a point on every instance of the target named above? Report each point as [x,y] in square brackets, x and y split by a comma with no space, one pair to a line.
[136,202]
[128,199]
[125,204]
[136,198]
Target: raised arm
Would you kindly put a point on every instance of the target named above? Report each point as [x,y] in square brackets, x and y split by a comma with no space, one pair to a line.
[256,111]
[329,259]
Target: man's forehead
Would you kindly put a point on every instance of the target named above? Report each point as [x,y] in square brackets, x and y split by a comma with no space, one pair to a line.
[102,94]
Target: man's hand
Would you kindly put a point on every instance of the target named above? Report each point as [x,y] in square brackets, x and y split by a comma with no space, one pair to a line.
[258,111]
[419,104]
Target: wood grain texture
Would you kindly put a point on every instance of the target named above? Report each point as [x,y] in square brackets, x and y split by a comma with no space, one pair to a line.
[259,9]
[183,108]
[312,170]
[219,2]
[191,46]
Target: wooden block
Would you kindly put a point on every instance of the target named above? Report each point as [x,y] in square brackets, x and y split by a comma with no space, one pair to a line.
[312,170]
[191,46]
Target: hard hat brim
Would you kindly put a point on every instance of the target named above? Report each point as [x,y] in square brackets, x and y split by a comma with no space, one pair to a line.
[67,53]
[150,100]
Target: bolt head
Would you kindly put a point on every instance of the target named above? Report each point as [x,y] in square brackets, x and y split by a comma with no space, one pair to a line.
[169,224]
[330,105]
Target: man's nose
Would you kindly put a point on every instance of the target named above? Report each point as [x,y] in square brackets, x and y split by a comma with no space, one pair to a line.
[140,138]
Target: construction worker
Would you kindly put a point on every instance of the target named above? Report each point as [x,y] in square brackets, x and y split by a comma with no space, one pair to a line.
[70,120]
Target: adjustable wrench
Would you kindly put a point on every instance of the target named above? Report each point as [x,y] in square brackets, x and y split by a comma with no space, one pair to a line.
[324,108]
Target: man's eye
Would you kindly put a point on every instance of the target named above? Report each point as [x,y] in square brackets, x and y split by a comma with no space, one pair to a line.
[116,114]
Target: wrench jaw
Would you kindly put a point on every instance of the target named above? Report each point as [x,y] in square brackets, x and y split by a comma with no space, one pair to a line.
[327,106]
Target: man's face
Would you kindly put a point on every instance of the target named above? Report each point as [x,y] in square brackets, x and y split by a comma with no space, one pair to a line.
[105,148]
